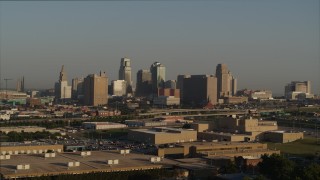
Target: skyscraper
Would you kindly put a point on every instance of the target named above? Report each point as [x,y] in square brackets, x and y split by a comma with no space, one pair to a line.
[180,84]
[227,84]
[144,83]
[199,90]
[62,90]
[77,88]
[20,85]
[96,89]
[158,76]
[119,87]
[125,73]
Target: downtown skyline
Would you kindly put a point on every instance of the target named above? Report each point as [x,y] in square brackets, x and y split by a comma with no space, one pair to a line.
[265,44]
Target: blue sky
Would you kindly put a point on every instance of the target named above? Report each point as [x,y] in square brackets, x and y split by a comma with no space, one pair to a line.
[265,44]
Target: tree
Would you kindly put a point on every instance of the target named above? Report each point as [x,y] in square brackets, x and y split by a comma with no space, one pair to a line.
[186,126]
[276,167]
[312,172]
[229,168]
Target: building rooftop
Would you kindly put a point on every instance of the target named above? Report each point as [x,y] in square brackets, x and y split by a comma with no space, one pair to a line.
[206,144]
[103,123]
[162,130]
[225,133]
[97,162]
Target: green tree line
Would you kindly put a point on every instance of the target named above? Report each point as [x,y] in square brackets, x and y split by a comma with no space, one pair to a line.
[277,167]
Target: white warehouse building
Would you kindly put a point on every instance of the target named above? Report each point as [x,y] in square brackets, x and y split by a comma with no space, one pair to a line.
[102,125]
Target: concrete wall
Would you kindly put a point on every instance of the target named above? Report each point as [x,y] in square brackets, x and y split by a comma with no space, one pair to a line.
[184,136]
[282,137]
[141,137]
[199,127]
[162,137]
[208,136]
[162,152]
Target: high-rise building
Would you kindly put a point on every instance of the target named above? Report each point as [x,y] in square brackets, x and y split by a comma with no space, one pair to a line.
[293,89]
[96,89]
[233,84]
[62,90]
[119,87]
[199,90]
[144,83]
[125,73]
[158,74]
[77,88]
[227,84]
[180,84]
[20,84]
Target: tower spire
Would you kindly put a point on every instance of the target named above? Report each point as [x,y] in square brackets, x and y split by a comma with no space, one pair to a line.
[63,75]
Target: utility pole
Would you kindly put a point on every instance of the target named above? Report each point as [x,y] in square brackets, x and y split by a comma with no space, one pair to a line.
[6,79]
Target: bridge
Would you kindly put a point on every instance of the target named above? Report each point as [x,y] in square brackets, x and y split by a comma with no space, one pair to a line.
[215,112]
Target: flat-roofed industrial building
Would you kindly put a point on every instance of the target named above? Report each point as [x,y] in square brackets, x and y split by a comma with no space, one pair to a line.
[234,129]
[212,149]
[220,136]
[102,125]
[95,163]
[20,129]
[162,135]
[282,136]
[142,123]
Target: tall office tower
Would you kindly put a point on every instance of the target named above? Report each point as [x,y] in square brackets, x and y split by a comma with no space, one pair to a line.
[158,76]
[62,90]
[77,88]
[144,83]
[227,84]
[20,84]
[199,90]
[119,87]
[125,73]
[298,87]
[234,84]
[18,87]
[171,84]
[180,84]
[96,89]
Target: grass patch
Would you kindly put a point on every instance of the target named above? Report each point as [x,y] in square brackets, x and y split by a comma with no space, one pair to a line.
[304,109]
[302,147]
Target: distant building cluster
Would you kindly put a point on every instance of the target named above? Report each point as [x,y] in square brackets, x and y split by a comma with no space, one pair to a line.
[202,90]
[298,90]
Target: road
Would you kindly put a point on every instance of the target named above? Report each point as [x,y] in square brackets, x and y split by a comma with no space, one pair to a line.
[51,120]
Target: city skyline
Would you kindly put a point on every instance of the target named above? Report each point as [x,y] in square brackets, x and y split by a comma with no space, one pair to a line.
[265,44]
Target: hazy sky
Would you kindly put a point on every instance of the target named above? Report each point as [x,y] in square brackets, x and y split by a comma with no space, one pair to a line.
[265,43]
